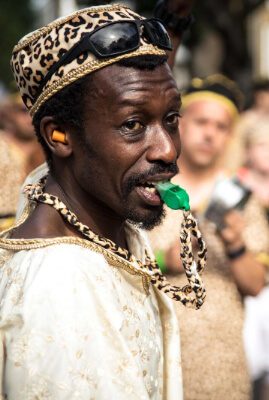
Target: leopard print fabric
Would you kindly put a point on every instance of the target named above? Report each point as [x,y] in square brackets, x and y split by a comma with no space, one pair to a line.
[191,295]
[37,52]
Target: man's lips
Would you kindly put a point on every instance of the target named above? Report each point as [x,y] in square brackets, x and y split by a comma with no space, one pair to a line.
[147,190]
[149,195]
[153,179]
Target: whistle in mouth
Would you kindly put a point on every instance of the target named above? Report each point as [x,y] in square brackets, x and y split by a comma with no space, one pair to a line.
[173,196]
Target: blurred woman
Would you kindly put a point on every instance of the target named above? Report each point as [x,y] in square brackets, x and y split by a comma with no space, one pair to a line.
[11,177]
[255,175]
[255,172]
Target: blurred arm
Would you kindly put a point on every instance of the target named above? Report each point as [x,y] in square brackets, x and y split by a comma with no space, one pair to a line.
[172,259]
[181,8]
[248,273]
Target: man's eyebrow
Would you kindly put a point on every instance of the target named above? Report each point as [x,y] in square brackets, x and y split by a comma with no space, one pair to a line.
[129,102]
[178,99]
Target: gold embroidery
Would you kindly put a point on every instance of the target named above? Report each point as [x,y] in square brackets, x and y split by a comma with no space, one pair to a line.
[112,259]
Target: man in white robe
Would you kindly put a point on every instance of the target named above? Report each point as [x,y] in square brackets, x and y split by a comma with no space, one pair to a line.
[79,318]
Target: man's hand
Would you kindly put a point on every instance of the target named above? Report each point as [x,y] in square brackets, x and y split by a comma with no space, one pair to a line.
[232,234]
[248,273]
[180,7]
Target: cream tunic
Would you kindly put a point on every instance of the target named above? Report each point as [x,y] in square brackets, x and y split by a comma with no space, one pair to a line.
[75,327]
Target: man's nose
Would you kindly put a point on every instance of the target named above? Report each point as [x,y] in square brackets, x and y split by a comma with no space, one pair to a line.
[163,146]
[210,132]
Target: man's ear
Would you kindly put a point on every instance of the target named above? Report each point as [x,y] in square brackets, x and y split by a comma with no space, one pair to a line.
[57,139]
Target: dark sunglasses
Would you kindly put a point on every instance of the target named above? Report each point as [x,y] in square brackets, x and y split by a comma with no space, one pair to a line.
[113,39]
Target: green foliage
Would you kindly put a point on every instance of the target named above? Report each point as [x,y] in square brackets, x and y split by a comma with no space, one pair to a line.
[16,19]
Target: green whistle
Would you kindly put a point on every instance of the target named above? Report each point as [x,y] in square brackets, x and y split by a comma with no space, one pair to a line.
[173,196]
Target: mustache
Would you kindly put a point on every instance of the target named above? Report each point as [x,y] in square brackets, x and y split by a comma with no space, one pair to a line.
[156,169]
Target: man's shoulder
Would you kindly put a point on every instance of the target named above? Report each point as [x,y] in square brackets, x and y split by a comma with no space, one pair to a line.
[55,273]
[63,283]
[58,259]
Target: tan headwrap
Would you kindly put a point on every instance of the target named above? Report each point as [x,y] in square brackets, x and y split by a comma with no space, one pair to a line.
[35,53]
[215,87]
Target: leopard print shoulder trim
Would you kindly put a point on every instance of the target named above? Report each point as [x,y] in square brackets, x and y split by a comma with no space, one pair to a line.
[192,295]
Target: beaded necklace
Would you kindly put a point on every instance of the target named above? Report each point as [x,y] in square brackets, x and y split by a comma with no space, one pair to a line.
[192,295]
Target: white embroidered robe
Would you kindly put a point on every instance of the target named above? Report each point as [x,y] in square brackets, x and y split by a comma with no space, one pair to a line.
[75,327]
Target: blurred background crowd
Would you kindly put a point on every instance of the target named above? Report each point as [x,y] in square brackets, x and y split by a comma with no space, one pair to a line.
[225,154]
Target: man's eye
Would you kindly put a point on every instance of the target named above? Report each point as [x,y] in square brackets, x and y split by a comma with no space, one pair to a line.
[172,119]
[132,126]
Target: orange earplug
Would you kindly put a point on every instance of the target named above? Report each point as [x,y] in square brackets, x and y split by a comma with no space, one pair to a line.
[58,136]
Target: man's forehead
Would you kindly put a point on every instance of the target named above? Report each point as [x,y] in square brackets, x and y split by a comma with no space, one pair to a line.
[127,81]
[210,110]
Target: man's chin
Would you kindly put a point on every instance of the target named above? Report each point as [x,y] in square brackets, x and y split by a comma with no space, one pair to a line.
[147,221]
[204,162]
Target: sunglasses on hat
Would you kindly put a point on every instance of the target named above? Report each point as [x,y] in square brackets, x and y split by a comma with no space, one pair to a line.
[114,39]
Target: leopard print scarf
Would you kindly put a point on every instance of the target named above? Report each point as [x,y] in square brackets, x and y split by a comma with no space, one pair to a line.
[192,295]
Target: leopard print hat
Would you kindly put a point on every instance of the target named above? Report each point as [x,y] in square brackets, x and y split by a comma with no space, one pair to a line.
[38,51]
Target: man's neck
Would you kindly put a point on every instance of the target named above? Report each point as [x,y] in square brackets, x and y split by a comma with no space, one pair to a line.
[46,222]
[96,216]
[198,181]
[197,174]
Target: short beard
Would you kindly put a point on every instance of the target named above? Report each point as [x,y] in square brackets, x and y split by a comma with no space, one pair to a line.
[154,219]
[155,215]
